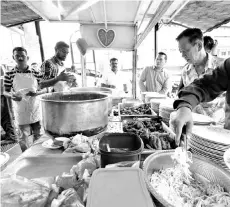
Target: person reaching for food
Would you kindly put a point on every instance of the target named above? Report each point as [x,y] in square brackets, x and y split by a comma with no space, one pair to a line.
[201,90]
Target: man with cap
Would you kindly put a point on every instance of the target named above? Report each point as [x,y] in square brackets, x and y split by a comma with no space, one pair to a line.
[53,70]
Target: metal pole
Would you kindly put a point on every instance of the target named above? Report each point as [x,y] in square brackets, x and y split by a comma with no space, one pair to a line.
[134,74]
[95,67]
[156,39]
[71,51]
[38,32]
[83,71]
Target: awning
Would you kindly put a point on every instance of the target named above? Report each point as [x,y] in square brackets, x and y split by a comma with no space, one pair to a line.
[15,13]
[206,15]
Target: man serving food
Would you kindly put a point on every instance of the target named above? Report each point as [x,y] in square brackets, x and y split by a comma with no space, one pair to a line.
[201,90]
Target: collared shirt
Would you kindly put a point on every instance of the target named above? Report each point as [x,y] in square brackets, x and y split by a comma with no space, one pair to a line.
[51,68]
[207,89]
[114,80]
[155,80]
[189,73]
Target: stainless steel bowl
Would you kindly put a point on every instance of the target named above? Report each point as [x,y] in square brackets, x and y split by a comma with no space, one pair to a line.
[203,169]
[69,113]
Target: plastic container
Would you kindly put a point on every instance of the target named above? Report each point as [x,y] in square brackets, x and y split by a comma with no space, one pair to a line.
[132,144]
[118,187]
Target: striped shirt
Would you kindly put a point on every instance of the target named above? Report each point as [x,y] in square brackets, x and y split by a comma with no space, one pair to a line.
[50,68]
[155,80]
[9,76]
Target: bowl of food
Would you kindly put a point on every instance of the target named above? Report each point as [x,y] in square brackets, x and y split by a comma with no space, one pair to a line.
[201,183]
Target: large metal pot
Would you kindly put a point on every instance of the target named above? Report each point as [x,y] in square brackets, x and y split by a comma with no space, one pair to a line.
[69,113]
[97,89]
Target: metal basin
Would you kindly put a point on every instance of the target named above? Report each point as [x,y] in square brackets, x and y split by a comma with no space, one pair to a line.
[97,89]
[70,113]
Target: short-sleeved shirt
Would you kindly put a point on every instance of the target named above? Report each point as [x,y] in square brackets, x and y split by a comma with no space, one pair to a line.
[9,77]
[51,68]
[27,111]
[189,73]
[155,80]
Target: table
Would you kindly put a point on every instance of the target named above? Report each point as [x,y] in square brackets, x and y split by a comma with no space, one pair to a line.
[114,125]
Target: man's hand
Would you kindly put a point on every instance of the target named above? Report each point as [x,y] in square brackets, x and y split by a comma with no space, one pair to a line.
[63,76]
[16,97]
[31,93]
[182,117]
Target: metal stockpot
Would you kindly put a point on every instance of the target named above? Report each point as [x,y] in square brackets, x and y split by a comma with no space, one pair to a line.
[69,113]
[97,89]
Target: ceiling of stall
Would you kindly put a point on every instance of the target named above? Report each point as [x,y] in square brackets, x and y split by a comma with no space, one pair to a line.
[205,15]
[16,12]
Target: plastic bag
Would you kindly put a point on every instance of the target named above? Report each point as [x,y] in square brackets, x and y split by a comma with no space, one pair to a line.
[17,191]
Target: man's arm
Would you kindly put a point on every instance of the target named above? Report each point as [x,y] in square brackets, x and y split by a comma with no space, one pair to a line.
[205,89]
[48,83]
[142,80]
[8,84]
[48,79]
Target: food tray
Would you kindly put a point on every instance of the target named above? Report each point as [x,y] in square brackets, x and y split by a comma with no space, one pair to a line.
[123,105]
[202,169]
[146,152]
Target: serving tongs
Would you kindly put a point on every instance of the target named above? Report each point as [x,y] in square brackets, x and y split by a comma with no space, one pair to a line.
[184,142]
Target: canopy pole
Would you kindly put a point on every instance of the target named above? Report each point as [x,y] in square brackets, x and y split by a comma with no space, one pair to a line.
[156,40]
[105,14]
[38,32]
[71,51]
[95,67]
[134,74]
[83,71]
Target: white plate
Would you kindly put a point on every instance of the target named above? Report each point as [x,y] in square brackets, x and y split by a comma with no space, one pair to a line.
[227,158]
[213,134]
[4,158]
[49,143]
[202,119]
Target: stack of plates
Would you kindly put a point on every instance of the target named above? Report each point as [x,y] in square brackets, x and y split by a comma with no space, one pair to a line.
[227,158]
[199,119]
[210,142]
[153,95]
[165,109]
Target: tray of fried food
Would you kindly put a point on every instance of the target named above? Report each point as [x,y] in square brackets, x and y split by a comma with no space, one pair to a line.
[155,134]
[135,110]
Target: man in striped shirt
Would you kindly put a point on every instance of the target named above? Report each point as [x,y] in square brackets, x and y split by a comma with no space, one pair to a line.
[54,67]
[22,85]
[156,79]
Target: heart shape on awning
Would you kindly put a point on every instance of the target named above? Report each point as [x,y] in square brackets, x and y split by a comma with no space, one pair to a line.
[105,37]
